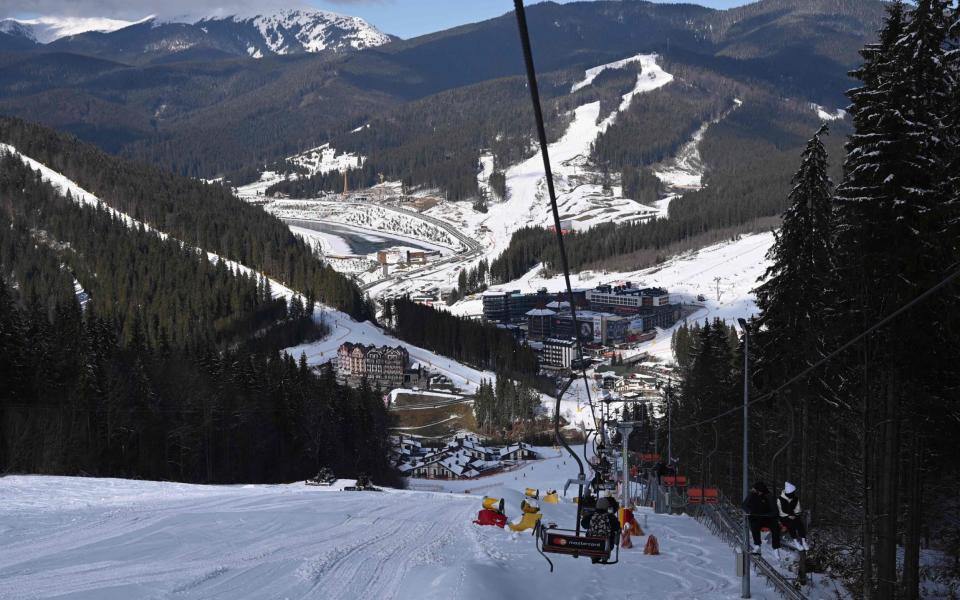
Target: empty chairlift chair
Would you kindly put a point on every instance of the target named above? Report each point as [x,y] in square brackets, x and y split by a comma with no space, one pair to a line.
[554,540]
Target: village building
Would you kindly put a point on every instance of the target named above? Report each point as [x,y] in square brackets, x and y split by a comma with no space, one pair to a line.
[463,457]
[383,366]
[558,353]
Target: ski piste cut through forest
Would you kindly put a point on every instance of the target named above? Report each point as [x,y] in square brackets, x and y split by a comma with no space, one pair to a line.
[867,438]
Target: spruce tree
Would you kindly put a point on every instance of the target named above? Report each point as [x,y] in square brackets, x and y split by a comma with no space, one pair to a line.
[793,296]
[893,211]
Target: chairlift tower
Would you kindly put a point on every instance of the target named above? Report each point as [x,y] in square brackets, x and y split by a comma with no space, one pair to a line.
[625,428]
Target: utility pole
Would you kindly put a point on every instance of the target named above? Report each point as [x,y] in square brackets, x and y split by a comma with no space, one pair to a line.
[717,279]
[669,422]
[745,583]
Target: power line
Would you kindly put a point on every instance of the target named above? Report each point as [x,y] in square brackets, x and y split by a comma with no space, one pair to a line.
[930,292]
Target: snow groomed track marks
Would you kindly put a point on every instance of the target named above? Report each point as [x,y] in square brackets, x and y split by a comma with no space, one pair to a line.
[252,541]
[104,538]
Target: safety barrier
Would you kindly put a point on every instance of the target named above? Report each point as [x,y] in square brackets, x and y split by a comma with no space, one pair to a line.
[726,521]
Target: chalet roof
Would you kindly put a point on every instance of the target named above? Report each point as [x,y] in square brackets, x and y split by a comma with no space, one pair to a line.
[460,464]
[507,450]
[366,349]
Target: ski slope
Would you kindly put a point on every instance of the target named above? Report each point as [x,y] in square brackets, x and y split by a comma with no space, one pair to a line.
[102,539]
[580,198]
[684,172]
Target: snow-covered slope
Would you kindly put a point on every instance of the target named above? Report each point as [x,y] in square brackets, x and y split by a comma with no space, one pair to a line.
[730,268]
[826,115]
[684,172]
[343,328]
[305,30]
[580,195]
[286,31]
[90,539]
[48,29]
[325,159]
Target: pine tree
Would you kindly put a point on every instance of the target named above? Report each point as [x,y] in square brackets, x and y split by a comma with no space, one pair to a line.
[953,125]
[13,355]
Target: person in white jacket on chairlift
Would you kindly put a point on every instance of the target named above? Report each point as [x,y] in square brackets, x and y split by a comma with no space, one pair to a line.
[791,515]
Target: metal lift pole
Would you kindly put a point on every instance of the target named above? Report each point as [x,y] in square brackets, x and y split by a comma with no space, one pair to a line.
[745,583]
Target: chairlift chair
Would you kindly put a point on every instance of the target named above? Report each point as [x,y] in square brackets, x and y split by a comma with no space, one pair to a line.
[551,539]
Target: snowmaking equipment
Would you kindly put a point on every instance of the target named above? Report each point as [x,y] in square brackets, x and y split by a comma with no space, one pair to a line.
[491,513]
[493,503]
[530,518]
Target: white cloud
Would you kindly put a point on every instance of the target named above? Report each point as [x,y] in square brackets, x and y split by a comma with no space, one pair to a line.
[137,9]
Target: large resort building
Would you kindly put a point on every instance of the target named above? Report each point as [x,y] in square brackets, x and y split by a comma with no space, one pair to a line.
[380,365]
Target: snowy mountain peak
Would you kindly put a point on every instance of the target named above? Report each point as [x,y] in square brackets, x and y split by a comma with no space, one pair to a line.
[48,29]
[289,31]
[18,29]
[305,30]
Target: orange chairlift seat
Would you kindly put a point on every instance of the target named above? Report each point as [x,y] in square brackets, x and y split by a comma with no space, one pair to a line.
[697,495]
[674,481]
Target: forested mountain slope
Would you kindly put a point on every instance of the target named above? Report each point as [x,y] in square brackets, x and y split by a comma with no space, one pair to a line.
[262,110]
[119,357]
[203,215]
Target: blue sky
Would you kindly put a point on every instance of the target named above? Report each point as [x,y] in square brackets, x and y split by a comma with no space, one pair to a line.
[409,18]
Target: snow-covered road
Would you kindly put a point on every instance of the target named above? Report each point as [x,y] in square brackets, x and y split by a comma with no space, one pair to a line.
[111,539]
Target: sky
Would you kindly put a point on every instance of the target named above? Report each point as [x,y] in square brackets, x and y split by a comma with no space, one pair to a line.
[409,18]
[405,18]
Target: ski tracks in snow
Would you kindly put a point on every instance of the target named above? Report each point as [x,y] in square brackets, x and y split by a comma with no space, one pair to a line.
[103,539]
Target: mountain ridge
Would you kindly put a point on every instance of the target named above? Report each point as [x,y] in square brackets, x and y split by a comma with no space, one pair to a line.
[208,111]
[280,32]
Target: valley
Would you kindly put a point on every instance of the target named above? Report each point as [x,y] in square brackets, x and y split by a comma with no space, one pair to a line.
[288,307]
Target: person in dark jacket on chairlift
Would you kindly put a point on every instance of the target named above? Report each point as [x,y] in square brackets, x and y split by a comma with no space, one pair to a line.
[760,510]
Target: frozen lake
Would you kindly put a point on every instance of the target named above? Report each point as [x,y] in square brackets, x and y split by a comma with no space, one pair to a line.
[359,241]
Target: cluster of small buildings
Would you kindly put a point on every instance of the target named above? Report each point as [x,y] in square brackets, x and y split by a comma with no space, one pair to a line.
[402,255]
[383,366]
[640,385]
[608,315]
[463,457]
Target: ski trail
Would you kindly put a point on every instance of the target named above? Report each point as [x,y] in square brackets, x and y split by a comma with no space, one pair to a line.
[93,539]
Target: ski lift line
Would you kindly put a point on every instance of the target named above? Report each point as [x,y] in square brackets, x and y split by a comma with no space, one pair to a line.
[548,172]
[930,292]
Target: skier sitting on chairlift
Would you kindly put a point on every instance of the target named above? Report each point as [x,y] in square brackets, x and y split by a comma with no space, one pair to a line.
[791,516]
[760,514]
[604,523]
